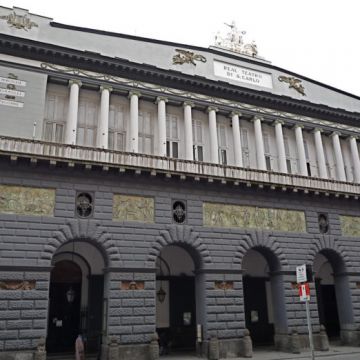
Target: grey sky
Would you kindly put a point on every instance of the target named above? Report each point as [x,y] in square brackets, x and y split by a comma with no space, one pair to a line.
[314,38]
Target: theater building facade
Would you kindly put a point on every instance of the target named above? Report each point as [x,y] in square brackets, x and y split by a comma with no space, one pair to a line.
[148,187]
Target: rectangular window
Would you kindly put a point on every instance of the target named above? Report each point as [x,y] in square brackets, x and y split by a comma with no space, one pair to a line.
[172,137]
[198,140]
[55,118]
[268,162]
[117,133]
[223,159]
[87,122]
[146,137]
[245,147]
[288,166]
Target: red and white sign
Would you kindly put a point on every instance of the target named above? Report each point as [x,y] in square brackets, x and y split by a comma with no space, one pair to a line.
[304,292]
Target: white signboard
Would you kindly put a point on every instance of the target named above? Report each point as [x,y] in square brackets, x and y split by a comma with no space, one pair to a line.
[12,92]
[12,81]
[301,274]
[242,74]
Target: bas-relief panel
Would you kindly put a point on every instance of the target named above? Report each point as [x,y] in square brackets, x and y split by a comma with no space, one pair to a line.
[350,225]
[133,208]
[220,215]
[21,200]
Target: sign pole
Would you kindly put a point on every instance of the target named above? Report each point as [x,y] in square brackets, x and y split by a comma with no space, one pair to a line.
[310,330]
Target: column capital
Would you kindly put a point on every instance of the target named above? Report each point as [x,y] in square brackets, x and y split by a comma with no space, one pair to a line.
[298,126]
[134,92]
[353,137]
[281,122]
[335,133]
[188,103]
[317,130]
[236,112]
[75,81]
[257,117]
[212,108]
[161,98]
[106,87]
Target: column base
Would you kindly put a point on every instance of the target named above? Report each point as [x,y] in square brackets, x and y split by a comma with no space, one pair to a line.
[349,335]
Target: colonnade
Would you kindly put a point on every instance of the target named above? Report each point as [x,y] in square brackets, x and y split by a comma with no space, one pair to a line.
[132,146]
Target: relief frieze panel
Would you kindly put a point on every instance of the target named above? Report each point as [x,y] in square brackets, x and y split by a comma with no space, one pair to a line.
[251,217]
[350,225]
[133,208]
[22,200]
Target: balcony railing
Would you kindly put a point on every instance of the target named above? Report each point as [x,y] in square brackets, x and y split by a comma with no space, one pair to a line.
[86,155]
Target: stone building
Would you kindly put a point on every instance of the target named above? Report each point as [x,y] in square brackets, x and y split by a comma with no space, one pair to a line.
[148,186]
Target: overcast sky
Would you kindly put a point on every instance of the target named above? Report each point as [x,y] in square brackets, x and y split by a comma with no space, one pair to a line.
[315,38]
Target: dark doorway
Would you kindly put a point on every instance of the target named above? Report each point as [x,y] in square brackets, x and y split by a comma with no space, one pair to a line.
[176,308]
[95,313]
[328,310]
[256,311]
[182,313]
[64,308]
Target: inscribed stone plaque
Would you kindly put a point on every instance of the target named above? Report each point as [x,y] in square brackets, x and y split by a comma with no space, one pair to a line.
[21,200]
[220,215]
[133,208]
[350,225]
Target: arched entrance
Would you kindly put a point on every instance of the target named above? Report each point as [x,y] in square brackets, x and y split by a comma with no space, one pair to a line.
[76,298]
[264,298]
[176,300]
[333,293]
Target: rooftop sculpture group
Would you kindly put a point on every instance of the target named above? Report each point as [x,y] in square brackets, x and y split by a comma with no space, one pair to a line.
[234,41]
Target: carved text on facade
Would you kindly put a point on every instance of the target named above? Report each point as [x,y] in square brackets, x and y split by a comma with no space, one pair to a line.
[21,200]
[221,215]
[133,208]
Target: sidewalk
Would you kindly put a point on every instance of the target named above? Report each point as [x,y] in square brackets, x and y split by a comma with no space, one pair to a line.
[335,353]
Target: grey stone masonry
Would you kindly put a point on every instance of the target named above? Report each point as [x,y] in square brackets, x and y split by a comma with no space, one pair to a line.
[130,249]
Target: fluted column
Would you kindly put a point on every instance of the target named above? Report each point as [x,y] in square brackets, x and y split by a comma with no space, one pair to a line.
[301,150]
[214,147]
[72,117]
[340,168]
[161,102]
[320,155]
[188,130]
[134,121]
[355,158]
[103,128]
[259,144]
[280,145]
[237,139]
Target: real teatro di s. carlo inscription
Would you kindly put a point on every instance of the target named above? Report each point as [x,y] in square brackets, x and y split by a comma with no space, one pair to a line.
[242,74]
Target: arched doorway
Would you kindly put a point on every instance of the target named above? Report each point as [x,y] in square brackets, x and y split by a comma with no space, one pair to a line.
[64,311]
[76,298]
[333,293]
[264,298]
[176,300]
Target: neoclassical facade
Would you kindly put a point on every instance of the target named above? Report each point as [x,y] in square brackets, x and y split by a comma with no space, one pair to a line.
[157,197]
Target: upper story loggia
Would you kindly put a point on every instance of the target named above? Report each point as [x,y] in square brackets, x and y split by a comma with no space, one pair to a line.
[222,105]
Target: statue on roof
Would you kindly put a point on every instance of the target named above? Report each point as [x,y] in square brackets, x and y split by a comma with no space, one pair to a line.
[233,40]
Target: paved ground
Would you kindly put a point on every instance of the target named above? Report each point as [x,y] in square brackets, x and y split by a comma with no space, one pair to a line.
[335,353]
